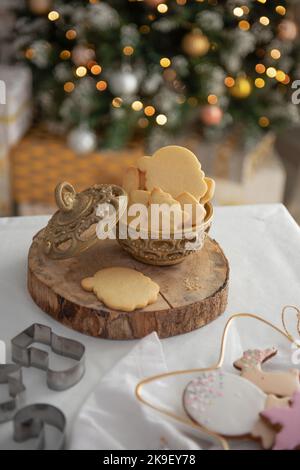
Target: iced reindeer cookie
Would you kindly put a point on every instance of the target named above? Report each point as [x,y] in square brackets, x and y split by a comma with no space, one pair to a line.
[122,288]
[285,422]
[174,170]
[279,383]
[262,429]
[224,403]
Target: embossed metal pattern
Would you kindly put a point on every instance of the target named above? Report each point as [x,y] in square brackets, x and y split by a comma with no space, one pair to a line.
[72,229]
[160,252]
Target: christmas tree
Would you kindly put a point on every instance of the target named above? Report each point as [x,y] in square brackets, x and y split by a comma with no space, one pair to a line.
[123,69]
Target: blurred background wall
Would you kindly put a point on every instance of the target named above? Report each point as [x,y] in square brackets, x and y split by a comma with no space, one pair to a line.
[88,86]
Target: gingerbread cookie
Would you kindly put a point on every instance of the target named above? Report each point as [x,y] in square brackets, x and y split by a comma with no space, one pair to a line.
[262,429]
[282,384]
[190,204]
[175,170]
[286,424]
[224,403]
[122,288]
[211,186]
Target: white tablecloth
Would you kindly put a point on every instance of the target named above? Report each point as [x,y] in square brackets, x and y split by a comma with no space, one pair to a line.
[262,244]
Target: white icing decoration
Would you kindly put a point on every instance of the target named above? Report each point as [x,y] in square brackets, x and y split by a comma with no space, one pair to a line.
[228,402]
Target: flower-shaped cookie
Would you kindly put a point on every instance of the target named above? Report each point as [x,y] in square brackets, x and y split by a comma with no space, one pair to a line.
[122,288]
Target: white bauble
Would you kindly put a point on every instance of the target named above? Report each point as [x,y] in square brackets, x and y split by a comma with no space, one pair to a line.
[123,83]
[82,140]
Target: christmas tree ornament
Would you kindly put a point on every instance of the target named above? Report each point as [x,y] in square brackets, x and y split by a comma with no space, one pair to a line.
[211,115]
[40,7]
[81,55]
[82,140]
[242,88]
[123,82]
[195,44]
[287,30]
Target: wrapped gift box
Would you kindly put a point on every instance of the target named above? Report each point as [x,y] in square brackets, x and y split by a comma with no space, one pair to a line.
[16,107]
[5,200]
[41,160]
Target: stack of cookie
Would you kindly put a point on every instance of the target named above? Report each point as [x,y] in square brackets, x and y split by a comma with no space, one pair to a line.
[171,177]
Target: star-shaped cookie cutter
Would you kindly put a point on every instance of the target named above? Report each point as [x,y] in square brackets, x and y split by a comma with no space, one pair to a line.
[11,374]
[28,356]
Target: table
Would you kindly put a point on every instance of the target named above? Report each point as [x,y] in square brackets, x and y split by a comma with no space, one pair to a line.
[262,243]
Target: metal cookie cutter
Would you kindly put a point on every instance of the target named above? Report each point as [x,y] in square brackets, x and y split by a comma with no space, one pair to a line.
[30,422]
[11,374]
[32,357]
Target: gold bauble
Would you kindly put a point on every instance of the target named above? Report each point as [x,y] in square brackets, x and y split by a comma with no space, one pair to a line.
[242,88]
[195,44]
[40,7]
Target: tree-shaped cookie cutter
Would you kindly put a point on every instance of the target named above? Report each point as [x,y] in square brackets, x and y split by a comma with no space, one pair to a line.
[11,374]
[28,356]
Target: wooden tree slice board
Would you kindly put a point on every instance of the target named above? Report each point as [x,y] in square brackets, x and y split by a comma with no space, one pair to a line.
[192,293]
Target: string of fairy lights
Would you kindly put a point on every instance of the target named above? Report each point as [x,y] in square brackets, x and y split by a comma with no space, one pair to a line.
[195,44]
